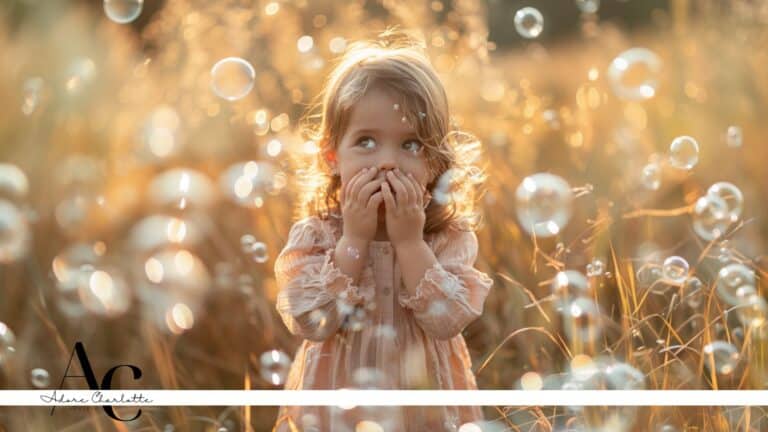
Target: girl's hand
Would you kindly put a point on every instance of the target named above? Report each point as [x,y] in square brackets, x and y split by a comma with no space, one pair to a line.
[359,205]
[405,208]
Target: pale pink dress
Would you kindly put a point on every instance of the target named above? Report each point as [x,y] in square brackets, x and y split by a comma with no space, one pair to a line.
[375,335]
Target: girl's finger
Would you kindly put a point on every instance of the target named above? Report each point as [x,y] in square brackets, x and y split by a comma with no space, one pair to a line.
[360,178]
[367,189]
[373,202]
[413,188]
[401,193]
[389,199]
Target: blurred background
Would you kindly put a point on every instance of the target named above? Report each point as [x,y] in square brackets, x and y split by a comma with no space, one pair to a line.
[145,190]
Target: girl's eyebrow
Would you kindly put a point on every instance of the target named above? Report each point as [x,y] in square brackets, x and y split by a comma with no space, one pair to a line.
[375,130]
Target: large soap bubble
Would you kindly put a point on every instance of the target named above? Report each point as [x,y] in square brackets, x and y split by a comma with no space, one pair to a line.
[544,204]
[633,74]
[232,78]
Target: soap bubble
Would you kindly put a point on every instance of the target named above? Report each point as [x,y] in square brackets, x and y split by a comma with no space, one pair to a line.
[569,284]
[232,78]
[39,377]
[721,356]
[7,343]
[529,22]
[156,231]
[275,366]
[731,195]
[71,268]
[588,6]
[753,310]
[581,319]
[684,152]
[123,11]
[595,268]
[710,217]
[734,136]
[180,188]
[248,183]
[651,176]
[173,283]
[633,74]
[693,292]
[544,204]
[675,268]
[13,182]
[256,249]
[15,235]
[734,282]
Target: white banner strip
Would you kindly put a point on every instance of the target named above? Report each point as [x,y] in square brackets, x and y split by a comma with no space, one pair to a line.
[350,398]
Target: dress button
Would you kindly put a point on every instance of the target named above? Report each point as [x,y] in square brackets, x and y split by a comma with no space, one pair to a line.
[386,290]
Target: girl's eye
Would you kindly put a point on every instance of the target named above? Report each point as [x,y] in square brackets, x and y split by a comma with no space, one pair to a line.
[364,139]
[416,148]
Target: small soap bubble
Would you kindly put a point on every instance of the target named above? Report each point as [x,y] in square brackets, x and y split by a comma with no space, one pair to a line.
[721,356]
[123,11]
[529,22]
[39,377]
[684,152]
[588,6]
[596,268]
[232,78]
[651,176]
[634,74]
[259,252]
[544,204]
[275,366]
[675,269]
[733,136]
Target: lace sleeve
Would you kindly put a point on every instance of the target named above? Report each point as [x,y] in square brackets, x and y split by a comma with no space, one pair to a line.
[313,294]
[452,292]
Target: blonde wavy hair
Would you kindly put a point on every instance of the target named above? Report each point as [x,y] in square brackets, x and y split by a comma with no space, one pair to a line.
[396,60]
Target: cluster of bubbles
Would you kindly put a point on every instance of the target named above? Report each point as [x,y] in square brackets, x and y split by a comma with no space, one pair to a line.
[717,210]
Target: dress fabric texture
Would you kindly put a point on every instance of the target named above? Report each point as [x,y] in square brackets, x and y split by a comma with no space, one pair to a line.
[373,334]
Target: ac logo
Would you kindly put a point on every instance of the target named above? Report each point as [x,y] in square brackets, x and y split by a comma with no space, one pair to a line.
[90,378]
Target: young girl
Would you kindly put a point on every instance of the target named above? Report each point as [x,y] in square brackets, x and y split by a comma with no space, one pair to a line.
[378,275]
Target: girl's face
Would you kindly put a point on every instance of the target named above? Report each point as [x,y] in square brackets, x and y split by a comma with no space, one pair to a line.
[376,137]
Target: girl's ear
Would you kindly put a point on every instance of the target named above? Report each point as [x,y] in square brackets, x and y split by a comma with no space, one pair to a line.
[330,159]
